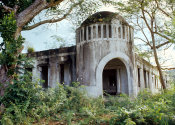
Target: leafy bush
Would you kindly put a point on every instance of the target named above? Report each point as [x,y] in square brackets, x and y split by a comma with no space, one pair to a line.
[30,50]
[71,105]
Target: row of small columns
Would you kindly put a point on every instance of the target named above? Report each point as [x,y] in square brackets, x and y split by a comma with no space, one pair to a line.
[99,31]
[146,78]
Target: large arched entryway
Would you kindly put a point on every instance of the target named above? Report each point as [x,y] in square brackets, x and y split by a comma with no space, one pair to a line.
[115,79]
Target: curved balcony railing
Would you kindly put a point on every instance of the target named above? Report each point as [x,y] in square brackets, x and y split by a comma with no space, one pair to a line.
[104,31]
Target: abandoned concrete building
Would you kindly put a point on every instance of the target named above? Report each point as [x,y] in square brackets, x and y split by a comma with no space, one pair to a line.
[103,59]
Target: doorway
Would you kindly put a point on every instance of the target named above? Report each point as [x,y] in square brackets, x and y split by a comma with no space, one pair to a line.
[115,79]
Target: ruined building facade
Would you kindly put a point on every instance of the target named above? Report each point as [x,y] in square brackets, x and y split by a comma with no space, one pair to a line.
[103,59]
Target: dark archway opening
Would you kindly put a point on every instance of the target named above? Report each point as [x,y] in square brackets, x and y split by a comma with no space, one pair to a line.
[44,76]
[115,80]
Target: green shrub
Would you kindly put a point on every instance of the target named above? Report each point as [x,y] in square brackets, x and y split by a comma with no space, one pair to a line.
[30,50]
[71,105]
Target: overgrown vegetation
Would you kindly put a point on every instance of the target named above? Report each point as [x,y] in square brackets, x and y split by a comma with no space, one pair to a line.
[27,103]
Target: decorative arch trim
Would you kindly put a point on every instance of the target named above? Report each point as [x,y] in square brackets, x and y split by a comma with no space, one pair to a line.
[125,59]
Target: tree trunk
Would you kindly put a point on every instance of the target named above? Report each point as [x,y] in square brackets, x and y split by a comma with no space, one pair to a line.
[157,62]
[4,79]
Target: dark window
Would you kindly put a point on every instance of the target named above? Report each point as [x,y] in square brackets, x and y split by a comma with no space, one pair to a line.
[62,73]
[104,31]
[145,81]
[81,35]
[112,78]
[94,31]
[129,34]
[99,31]
[44,76]
[119,32]
[89,32]
[148,79]
[84,33]
[138,77]
[123,32]
[110,31]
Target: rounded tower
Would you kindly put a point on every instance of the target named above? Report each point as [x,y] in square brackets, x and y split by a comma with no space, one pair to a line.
[105,57]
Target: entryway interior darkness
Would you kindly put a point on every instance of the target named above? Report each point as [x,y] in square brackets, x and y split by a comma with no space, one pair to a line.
[115,80]
[44,76]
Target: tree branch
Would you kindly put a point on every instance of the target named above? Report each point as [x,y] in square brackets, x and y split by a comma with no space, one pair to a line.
[144,18]
[168,68]
[53,3]
[53,20]
[160,45]
[29,13]
[144,41]
[8,9]
[164,36]
[167,14]
[143,33]
[44,22]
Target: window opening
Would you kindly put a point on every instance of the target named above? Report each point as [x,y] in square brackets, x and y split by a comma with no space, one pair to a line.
[138,77]
[81,35]
[94,31]
[119,32]
[123,32]
[99,31]
[110,31]
[104,31]
[145,78]
[62,73]
[44,76]
[89,32]
[84,33]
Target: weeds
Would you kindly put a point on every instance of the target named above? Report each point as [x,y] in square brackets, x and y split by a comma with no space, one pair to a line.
[27,104]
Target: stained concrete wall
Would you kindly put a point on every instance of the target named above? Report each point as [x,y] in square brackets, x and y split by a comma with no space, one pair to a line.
[53,59]
[152,75]
[92,50]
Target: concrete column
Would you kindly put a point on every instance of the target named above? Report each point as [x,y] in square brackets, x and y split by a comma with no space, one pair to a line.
[137,79]
[96,31]
[147,79]
[36,72]
[53,74]
[112,27]
[142,85]
[151,81]
[102,31]
[128,34]
[116,32]
[121,29]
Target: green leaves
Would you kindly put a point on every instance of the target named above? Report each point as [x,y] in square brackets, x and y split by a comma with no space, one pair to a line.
[10,45]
